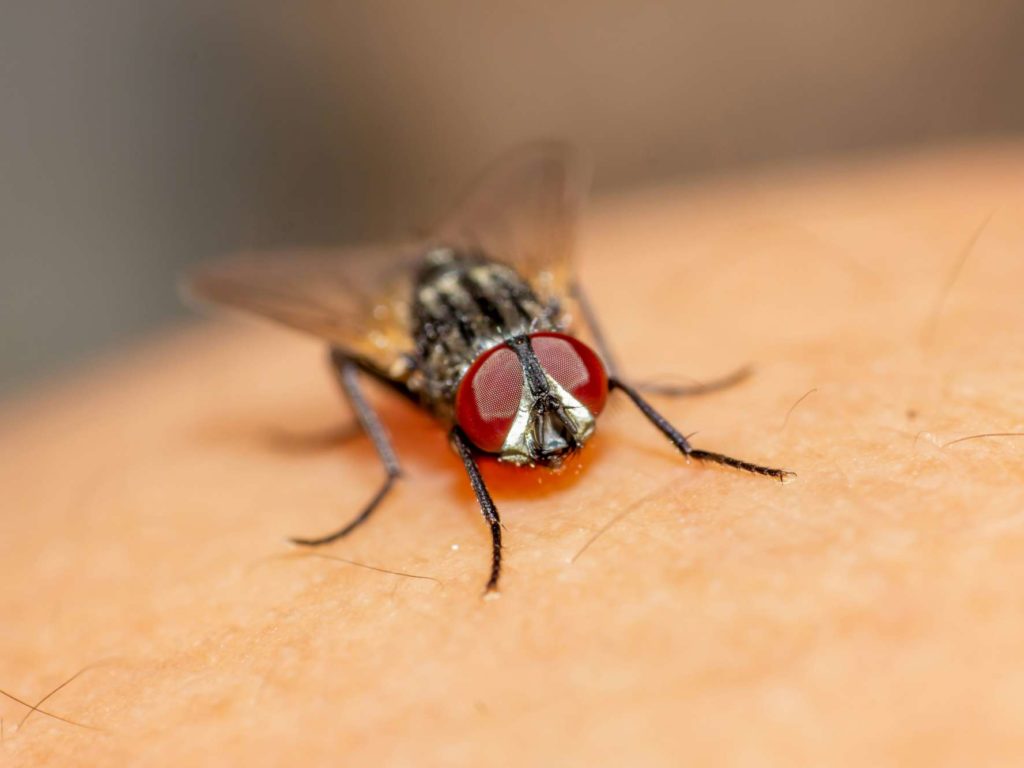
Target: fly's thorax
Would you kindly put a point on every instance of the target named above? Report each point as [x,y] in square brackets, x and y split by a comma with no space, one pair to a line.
[463,305]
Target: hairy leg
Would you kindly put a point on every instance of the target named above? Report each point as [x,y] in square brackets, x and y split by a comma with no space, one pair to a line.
[348,377]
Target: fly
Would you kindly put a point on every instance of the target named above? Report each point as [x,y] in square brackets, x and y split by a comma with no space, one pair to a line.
[473,324]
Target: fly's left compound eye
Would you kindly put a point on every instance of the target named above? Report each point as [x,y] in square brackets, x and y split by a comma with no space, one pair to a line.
[575,366]
[488,398]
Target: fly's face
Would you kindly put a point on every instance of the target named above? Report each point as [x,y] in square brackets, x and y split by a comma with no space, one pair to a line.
[532,400]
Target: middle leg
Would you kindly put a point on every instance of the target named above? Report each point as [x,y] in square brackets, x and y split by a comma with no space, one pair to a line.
[680,441]
[348,377]
[666,390]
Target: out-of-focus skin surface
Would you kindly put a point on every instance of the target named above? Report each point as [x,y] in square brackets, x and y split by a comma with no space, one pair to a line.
[870,613]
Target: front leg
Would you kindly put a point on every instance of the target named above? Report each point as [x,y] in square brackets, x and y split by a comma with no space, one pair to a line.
[483,497]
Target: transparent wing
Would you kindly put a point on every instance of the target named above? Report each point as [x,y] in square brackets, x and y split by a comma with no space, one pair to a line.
[523,211]
[357,299]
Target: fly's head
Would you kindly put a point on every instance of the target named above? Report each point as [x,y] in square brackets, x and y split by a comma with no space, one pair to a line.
[532,400]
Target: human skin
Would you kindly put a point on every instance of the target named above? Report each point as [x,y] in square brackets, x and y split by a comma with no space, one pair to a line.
[652,611]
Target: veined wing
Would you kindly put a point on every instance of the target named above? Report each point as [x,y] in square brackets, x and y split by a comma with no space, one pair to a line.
[523,211]
[356,299]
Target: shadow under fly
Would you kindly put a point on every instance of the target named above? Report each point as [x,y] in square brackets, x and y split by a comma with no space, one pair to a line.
[472,324]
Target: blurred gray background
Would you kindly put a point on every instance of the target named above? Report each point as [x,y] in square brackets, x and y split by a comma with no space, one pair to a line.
[139,137]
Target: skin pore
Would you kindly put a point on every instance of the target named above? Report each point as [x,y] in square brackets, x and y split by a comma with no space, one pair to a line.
[868,613]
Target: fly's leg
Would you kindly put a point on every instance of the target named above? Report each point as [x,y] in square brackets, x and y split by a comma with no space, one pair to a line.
[312,442]
[348,373]
[667,390]
[698,388]
[483,497]
[680,442]
[587,310]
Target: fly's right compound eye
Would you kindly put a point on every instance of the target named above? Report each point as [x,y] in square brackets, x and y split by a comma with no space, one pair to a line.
[488,398]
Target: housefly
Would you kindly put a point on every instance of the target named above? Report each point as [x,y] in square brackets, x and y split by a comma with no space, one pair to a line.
[473,324]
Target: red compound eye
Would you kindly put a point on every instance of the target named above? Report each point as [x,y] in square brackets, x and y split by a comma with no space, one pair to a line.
[488,398]
[574,366]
